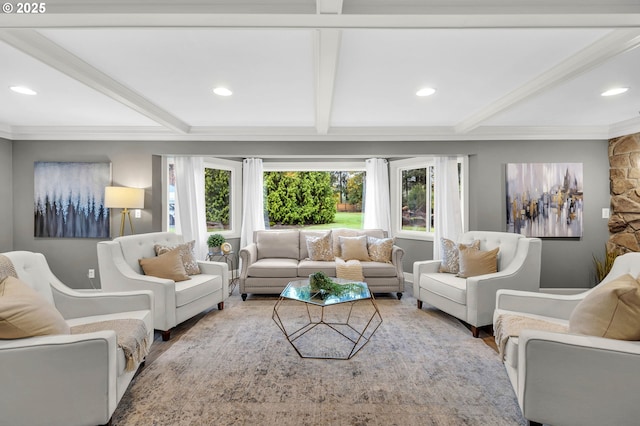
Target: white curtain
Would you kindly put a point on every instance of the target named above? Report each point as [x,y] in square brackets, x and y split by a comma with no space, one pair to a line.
[377,208]
[190,215]
[448,215]
[252,199]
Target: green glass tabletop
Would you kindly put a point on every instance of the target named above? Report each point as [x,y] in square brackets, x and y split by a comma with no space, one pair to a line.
[351,292]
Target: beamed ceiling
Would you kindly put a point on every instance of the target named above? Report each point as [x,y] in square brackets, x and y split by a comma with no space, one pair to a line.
[321,70]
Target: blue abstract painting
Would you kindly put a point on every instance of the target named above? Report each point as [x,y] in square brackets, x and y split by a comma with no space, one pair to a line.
[69,200]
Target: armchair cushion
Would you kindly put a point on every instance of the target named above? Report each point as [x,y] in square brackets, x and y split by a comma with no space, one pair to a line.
[25,313]
[186,251]
[477,262]
[611,310]
[451,254]
[168,265]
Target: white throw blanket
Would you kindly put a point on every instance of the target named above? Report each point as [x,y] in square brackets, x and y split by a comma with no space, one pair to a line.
[349,270]
[510,325]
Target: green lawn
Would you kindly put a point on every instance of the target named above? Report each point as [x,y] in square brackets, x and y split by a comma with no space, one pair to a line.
[342,220]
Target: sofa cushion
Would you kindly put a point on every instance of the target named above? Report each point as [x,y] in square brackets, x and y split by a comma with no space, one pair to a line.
[186,251]
[610,310]
[448,286]
[346,232]
[197,287]
[354,248]
[380,249]
[477,262]
[308,267]
[450,253]
[319,247]
[378,269]
[168,265]
[25,313]
[274,268]
[281,244]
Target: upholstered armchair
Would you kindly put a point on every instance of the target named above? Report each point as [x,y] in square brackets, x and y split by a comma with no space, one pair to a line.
[174,301]
[65,379]
[472,299]
[565,378]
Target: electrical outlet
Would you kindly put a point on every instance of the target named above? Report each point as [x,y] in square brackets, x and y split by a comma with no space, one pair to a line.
[92,273]
[137,213]
[605,213]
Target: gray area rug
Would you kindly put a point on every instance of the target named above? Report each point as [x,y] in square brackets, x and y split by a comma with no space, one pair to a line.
[235,367]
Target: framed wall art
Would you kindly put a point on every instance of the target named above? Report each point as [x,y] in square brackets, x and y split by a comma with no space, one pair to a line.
[69,200]
[544,199]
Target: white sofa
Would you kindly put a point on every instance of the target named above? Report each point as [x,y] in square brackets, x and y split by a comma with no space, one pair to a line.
[73,379]
[174,302]
[570,379]
[472,299]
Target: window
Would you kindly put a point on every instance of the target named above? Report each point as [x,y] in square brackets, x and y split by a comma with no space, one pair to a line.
[222,186]
[412,196]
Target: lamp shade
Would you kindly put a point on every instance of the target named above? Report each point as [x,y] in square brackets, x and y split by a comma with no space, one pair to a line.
[121,197]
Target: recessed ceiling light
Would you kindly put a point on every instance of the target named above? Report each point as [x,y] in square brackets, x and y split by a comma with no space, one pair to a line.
[23,90]
[426,91]
[222,91]
[614,91]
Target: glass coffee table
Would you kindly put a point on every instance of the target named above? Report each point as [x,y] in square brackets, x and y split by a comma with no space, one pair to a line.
[327,326]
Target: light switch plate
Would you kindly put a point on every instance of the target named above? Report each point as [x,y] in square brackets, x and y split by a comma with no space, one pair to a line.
[605,213]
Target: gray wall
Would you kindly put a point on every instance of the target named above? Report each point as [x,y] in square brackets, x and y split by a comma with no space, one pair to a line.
[566,263]
[6,196]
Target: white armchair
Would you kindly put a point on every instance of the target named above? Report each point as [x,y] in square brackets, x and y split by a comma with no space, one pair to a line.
[570,379]
[174,302]
[66,380]
[472,299]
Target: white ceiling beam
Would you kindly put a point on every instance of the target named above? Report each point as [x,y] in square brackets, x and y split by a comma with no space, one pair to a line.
[41,48]
[576,19]
[612,44]
[327,52]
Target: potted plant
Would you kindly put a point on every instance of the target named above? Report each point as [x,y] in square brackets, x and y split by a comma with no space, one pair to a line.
[214,242]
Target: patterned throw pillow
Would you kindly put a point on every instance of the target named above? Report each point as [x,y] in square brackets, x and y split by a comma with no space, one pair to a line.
[186,252]
[354,248]
[451,254]
[319,248]
[380,249]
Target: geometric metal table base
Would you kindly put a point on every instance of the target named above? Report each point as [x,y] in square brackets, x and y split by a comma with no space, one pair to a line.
[331,328]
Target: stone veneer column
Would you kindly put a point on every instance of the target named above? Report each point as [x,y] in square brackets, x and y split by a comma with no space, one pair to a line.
[624,177]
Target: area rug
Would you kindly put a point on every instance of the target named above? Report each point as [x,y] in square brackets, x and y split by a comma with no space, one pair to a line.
[235,367]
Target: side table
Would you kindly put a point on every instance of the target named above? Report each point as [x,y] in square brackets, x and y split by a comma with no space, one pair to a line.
[231,259]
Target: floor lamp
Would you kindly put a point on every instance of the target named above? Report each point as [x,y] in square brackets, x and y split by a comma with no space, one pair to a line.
[121,197]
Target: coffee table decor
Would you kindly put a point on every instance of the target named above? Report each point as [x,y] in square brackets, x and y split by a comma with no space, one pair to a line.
[327,318]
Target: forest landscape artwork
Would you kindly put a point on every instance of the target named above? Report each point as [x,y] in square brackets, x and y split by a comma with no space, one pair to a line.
[69,200]
[544,199]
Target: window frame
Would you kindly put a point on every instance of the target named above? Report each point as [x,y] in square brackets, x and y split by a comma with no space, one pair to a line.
[396,167]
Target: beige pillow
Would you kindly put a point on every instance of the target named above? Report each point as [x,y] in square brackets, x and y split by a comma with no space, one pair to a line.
[354,248]
[477,262]
[319,248]
[611,310]
[450,253]
[168,265]
[188,256]
[380,249]
[25,313]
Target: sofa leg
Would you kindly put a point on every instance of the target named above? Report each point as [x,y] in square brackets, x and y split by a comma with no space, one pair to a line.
[244,296]
[166,335]
[475,331]
[399,294]
[532,423]
[220,306]
[419,304]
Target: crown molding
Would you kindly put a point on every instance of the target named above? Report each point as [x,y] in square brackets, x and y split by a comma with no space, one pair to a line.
[623,128]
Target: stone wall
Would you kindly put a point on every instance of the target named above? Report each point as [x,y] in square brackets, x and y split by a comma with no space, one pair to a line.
[624,176]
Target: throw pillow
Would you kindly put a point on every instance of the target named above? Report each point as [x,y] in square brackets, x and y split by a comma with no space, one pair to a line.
[610,310]
[380,249]
[319,248]
[25,313]
[187,253]
[477,262]
[450,253]
[354,248]
[168,265]
[6,268]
